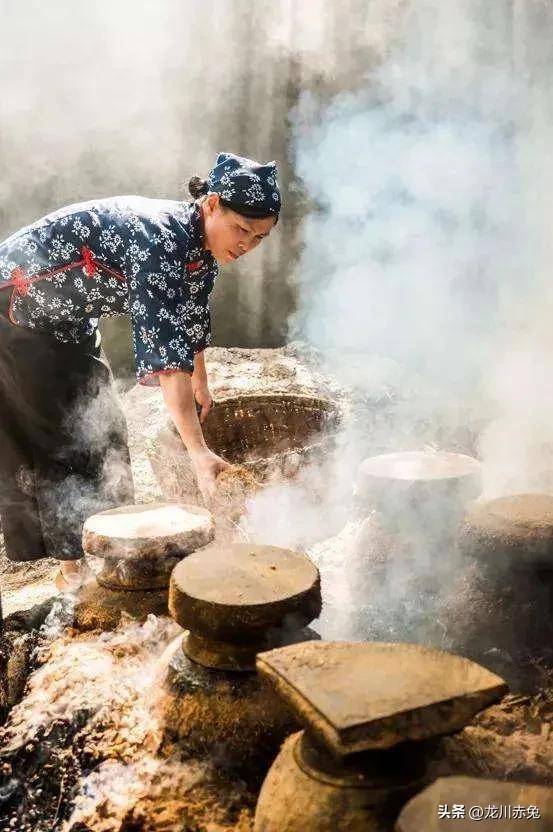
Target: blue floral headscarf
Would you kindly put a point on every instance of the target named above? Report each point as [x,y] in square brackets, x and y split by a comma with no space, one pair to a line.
[245,185]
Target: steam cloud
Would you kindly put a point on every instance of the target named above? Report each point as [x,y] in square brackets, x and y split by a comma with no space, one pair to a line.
[429,251]
[424,271]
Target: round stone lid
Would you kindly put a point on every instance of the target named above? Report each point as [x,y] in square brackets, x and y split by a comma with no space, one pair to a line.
[524,511]
[520,524]
[224,590]
[148,531]
[361,696]
[469,803]
[412,466]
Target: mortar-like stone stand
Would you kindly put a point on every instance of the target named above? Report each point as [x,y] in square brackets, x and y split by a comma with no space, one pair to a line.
[371,713]
[233,601]
[137,547]
[419,490]
[508,544]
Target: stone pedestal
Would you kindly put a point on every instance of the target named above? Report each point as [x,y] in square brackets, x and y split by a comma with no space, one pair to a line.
[234,600]
[239,599]
[371,713]
[134,549]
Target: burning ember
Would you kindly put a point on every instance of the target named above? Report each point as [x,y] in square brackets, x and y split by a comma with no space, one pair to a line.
[80,751]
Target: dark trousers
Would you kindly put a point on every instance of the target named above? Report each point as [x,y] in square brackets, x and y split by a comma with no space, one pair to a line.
[63,441]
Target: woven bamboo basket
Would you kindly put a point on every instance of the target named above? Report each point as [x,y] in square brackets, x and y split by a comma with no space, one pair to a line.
[272,435]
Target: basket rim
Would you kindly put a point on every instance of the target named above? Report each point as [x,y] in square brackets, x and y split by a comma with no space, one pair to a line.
[299,397]
[327,405]
[332,406]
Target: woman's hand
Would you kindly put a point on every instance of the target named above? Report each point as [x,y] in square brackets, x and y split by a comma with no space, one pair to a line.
[180,396]
[203,397]
[207,466]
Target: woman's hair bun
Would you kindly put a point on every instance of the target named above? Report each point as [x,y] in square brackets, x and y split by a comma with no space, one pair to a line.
[198,187]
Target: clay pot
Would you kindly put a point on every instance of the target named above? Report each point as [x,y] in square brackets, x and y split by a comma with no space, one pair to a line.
[503,605]
[364,796]
[419,491]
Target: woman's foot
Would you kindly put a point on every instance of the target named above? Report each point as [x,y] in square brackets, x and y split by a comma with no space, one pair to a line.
[72,575]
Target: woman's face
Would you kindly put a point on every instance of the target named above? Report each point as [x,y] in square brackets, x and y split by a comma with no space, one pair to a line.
[229,235]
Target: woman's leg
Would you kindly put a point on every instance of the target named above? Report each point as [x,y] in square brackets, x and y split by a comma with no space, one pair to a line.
[65,440]
[85,468]
[19,510]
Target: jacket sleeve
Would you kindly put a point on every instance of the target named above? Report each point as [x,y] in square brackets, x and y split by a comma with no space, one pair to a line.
[201,321]
[161,327]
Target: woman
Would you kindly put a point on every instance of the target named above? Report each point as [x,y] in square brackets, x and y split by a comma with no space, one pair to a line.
[63,452]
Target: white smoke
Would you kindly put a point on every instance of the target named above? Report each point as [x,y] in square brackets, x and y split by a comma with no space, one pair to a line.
[425,265]
[416,183]
[429,249]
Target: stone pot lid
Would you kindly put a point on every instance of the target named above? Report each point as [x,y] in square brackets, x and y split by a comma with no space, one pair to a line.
[243,587]
[148,531]
[519,525]
[419,466]
[432,810]
[361,696]
[524,515]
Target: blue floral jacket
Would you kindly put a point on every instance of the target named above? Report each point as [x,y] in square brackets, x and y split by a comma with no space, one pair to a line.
[125,254]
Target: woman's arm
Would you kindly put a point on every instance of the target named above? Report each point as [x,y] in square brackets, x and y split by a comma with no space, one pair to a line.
[200,385]
[179,400]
